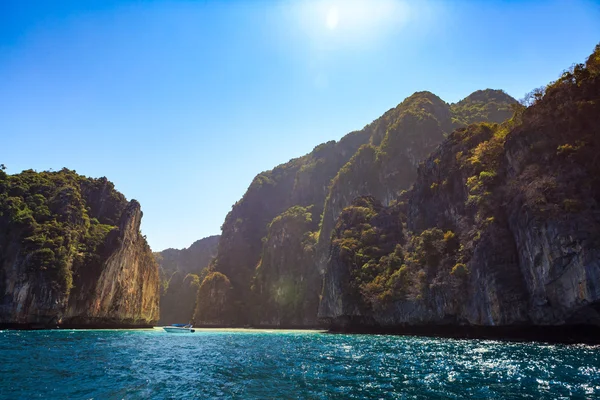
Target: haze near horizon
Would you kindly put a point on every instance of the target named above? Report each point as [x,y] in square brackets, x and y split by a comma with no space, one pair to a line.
[181,104]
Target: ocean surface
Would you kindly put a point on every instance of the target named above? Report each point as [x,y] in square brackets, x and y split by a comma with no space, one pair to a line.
[142,364]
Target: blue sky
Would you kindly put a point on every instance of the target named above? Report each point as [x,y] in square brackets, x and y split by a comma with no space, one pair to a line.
[182,103]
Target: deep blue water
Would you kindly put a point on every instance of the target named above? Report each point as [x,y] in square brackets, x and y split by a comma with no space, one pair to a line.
[286,365]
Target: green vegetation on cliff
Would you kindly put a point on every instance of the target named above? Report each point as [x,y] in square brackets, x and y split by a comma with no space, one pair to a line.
[482,105]
[181,273]
[214,305]
[304,182]
[501,223]
[286,284]
[365,239]
[413,130]
[379,160]
[385,263]
[59,220]
[71,252]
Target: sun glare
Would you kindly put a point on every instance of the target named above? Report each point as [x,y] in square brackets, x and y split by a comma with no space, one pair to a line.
[332,18]
[341,23]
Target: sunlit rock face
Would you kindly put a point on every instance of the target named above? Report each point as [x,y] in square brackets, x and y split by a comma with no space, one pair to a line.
[502,227]
[71,254]
[126,293]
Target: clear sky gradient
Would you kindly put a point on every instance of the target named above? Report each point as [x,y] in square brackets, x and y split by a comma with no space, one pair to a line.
[182,103]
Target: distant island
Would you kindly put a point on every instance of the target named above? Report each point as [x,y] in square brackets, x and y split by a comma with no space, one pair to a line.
[478,218]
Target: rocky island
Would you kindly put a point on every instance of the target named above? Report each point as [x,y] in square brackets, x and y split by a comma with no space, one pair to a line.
[72,255]
[500,229]
[469,218]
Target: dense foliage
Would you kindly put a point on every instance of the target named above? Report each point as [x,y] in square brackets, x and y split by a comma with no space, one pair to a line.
[386,263]
[213,306]
[380,160]
[60,220]
[413,130]
[482,105]
[543,162]
[286,285]
[181,273]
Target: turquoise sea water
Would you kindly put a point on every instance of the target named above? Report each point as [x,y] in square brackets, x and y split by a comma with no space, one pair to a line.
[118,364]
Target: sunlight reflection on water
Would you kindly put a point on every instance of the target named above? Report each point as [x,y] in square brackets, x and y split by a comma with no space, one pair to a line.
[290,364]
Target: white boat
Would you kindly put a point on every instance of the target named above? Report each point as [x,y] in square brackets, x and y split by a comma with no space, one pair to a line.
[179,328]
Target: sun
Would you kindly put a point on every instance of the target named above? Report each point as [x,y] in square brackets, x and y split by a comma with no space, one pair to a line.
[332,18]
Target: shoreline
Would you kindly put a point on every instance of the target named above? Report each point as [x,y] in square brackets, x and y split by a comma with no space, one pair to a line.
[561,334]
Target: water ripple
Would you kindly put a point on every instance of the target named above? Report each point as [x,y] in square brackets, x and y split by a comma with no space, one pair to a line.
[287,365]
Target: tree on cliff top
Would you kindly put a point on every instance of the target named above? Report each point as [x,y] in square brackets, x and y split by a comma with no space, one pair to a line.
[61,217]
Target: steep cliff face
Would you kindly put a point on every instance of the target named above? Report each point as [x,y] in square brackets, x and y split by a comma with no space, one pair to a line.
[413,130]
[379,160]
[215,305]
[365,263]
[71,253]
[303,181]
[503,227]
[286,283]
[181,273]
[126,291]
[435,259]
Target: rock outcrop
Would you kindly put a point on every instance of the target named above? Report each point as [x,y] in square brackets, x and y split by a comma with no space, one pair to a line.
[502,228]
[71,254]
[215,306]
[303,181]
[182,272]
[286,283]
[413,130]
[379,160]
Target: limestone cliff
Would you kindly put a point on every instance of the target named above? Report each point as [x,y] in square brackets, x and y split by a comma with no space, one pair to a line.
[182,272]
[71,254]
[286,283]
[411,132]
[215,305]
[303,181]
[413,129]
[502,227]
[380,160]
